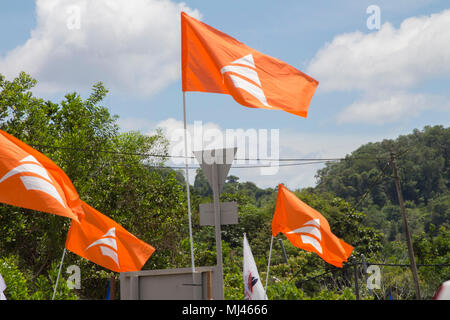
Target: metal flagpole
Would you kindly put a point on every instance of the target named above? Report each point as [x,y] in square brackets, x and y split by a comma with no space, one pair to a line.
[283,250]
[268,265]
[187,184]
[59,272]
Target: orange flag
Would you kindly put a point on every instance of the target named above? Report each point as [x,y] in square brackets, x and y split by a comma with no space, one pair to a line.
[104,242]
[214,62]
[30,180]
[307,229]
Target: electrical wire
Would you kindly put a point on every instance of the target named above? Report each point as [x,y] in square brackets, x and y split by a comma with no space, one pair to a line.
[164,156]
[249,166]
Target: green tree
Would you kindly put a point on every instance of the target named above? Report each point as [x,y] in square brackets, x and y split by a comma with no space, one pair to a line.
[110,170]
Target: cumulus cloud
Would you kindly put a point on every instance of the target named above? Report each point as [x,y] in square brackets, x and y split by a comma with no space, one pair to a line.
[388,67]
[252,143]
[385,108]
[394,58]
[131,46]
[291,144]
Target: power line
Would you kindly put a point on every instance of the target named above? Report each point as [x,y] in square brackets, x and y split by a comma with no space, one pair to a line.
[299,282]
[192,157]
[404,265]
[373,185]
[248,166]
[377,180]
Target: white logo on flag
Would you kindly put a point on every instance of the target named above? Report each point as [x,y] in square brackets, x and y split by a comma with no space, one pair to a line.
[245,67]
[311,227]
[108,245]
[42,183]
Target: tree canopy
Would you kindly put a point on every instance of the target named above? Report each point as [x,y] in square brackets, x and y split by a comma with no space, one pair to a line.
[115,173]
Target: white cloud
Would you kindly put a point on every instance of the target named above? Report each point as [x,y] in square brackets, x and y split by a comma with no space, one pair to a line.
[385,108]
[131,46]
[200,135]
[292,144]
[389,58]
[134,124]
[387,66]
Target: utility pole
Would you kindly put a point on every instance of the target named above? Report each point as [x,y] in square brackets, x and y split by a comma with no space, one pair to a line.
[405,223]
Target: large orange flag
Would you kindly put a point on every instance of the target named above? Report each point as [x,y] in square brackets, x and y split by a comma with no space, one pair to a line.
[104,242]
[30,180]
[307,229]
[214,62]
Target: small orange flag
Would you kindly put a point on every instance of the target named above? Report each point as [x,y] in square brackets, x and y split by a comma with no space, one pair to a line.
[214,62]
[28,179]
[103,241]
[307,229]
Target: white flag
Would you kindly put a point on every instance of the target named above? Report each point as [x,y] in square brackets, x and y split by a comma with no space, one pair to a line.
[253,288]
[2,288]
[443,292]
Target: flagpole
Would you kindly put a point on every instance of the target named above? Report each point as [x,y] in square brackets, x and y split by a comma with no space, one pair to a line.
[187,183]
[268,264]
[59,272]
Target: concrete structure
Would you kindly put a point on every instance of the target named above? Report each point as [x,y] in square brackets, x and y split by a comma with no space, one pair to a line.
[184,284]
[215,165]
[171,284]
[228,213]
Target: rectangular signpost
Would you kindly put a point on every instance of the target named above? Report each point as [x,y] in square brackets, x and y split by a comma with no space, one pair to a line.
[215,165]
[228,213]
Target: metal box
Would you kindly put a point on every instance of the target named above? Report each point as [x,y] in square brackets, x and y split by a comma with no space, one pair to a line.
[170,284]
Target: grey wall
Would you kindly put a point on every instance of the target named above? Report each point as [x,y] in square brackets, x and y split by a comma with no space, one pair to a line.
[169,284]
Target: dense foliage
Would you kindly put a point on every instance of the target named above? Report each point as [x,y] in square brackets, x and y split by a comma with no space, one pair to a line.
[424,169]
[83,138]
[365,180]
[359,199]
[114,173]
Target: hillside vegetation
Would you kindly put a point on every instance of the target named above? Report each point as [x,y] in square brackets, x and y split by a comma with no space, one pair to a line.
[114,173]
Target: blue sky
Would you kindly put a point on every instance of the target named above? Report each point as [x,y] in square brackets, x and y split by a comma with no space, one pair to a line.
[374,84]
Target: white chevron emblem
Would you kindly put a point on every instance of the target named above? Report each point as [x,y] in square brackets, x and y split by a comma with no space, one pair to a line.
[311,227]
[42,183]
[108,245]
[245,68]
